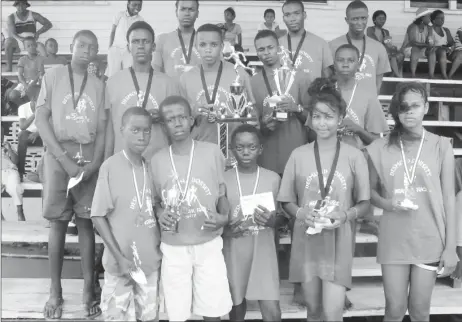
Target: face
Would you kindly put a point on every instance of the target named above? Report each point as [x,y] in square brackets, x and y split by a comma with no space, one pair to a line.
[137,133]
[426,19]
[51,47]
[30,46]
[416,110]
[209,45]
[439,20]
[267,50]
[141,45]
[177,121]
[346,62]
[380,21]
[84,49]
[357,19]
[269,18]
[246,148]
[325,121]
[21,8]
[187,13]
[134,7]
[229,17]
[294,17]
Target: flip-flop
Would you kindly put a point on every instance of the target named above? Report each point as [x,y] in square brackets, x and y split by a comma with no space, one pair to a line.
[92,306]
[57,310]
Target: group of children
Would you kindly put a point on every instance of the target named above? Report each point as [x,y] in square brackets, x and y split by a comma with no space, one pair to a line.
[140,161]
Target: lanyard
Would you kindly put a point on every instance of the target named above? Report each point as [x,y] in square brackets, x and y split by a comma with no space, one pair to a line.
[188,176]
[352,95]
[325,189]
[363,51]
[215,87]
[239,182]
[82,87]
[268,86]
[139,198]
[187,56]
[300,44]
[137,87]
[411,177]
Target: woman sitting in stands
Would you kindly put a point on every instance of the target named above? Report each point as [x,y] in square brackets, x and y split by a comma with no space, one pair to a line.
[457,53]
[232,32]
[412,180]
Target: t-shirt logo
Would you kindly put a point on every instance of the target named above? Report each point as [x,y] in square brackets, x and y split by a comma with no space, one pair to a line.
[363,73]
[421,164]
[179,60]
[79,115]
[302,61]
[139,98]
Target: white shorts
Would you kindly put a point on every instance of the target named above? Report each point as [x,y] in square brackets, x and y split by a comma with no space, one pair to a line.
[117,59]
[12,184]
[194,278]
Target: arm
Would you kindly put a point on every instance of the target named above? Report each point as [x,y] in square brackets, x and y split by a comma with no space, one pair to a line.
[46,24]
[102,225]
[366,136]
[239,39]
[12,29]
[12,154]
[378,82]
[450,39]
[448,189]
[376,199]
[112,35]
[413,31]
[223,206]
[21,78]
[24,123]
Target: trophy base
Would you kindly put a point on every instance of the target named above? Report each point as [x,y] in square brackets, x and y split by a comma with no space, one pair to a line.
[408,204]
[281,116]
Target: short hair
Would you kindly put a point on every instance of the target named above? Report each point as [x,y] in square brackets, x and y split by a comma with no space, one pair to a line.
[266,33]
[269,11]
[245,128]
[178,2]
[435,14]
[347,46]
[141,25]
[231,11]
[299,2]
[173,100]
[51,40]
[84,32]
[208,27]
[356,4]
[378,13]
[324,90]
[135,111]
[30,38]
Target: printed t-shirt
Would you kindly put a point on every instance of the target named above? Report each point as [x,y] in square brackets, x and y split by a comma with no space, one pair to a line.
[366,111]
[69,124]
[251,261]
[169,58]
[231,35]
[24,112]
[202,192]
[32,67]
[123,21]
[262,26]
[116,199]
[375,60]
[314,55]
[288,135]
[329,254]
[192,90]
[416,236]
[121,95]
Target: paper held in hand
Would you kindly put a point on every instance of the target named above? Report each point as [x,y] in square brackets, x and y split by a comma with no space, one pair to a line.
[73,182]
[251,202]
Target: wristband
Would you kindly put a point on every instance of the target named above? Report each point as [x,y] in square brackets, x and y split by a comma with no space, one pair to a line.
[355,215]
[346,216]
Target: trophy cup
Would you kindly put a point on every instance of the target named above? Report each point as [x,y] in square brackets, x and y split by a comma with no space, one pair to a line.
[322,207]
[172,204]
[137,273]
[284,78]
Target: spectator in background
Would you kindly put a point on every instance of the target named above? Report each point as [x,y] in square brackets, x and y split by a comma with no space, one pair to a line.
[270,24]
[118,56]
[232,32]
[22,24]
[457,53]
[419,42]
[382,35]
[52,59]
[444,43]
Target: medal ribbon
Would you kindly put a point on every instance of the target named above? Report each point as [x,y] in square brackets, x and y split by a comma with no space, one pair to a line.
[239,182]
[411,177]
[187,56]
[137,86]
[215,87]
[325,190]
[268,86]
[188,176]
[139,199]
[300,44]
[82,87]
[363,51]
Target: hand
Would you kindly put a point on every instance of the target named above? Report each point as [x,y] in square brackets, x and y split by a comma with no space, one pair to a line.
[168,219]
[235,229]
[125,266]
[457,274]
[395,205]
[215,221]
[270,122]
[155,115]
[33,136]
[306,215]
[88,170]
[351,126]
[264,217]
[71,168]
[448,261]
[340,218]
[211,117]
[287,105]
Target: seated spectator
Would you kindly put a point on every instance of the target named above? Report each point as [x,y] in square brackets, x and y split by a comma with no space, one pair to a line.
[457,53]
[29,136]
[382,35]
[231,30]
[10,177]
[419,42]
[444,42]
[52,59]
[270,24]
[7,87]
[22,24]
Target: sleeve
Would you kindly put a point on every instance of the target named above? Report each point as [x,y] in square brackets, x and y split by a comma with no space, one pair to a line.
[21,62]
[383,63]
[158,59]
[327,55]
[102,200]
[45,95]
[221,164]
[459,219]
[362,191]
[22,111]
[102,113]
[117,18]
[287,190]
[375,121]
[107,99]
[157,189]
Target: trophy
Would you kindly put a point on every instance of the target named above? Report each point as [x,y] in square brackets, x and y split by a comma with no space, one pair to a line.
[322,207]
[409,196]
[284,78]
[80,159]
[172,204]
[137,273]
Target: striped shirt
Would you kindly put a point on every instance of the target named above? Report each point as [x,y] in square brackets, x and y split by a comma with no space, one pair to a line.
[26,27]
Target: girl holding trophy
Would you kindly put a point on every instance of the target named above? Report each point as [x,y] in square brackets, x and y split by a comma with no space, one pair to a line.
[325,196]
[412,180]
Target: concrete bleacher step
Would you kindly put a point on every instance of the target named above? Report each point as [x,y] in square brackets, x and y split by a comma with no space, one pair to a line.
[21,302]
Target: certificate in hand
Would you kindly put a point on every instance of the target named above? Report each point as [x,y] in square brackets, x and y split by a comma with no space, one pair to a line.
[251,202]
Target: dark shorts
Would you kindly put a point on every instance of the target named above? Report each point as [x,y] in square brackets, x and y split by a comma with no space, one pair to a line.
[58,206]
